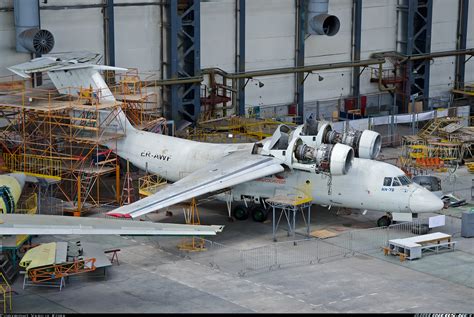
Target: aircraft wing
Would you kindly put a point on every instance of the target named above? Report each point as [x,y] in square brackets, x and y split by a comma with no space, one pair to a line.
[233,169]
[14,224]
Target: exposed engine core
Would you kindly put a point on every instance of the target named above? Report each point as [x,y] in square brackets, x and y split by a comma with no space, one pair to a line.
[335,159]
[366,144]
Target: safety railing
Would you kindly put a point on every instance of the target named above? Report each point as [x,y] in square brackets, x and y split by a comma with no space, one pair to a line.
[6,291]
[33,165]
[308,251]
[29,206]
[50,206]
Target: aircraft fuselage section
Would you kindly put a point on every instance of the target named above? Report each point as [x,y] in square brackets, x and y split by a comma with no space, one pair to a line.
[170,157]
[361,188]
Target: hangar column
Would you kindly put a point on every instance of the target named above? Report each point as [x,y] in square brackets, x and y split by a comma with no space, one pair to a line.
[416,16]
[356,45]
[240,54]
[184,60]
[461,43]
[299,56]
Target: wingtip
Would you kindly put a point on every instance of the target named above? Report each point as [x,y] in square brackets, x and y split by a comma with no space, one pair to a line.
[119,215]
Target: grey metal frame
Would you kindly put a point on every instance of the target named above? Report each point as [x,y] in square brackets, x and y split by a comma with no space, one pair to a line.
[290,212]
[185,60]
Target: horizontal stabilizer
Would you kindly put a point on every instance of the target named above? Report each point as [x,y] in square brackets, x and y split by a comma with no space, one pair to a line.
[61,61]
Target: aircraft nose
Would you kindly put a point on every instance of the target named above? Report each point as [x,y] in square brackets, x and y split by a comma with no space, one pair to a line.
[423,200]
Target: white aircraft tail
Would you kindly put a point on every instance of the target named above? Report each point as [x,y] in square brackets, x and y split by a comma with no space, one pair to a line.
[71,72]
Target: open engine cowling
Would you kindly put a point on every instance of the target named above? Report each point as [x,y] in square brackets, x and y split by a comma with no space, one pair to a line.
[329,158]
[366,144]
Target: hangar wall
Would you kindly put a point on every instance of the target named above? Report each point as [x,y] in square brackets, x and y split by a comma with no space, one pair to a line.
[270,42]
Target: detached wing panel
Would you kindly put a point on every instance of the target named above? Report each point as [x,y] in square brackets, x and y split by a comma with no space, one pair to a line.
[14,224]
[233,169]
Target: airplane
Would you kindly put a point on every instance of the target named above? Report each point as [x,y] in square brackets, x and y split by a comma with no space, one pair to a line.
[334,169]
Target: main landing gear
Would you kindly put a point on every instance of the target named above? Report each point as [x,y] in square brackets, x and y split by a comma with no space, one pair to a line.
[240,212]
[258,213]
[385,221]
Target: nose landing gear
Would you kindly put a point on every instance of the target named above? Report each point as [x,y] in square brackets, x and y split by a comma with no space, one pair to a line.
[385,221]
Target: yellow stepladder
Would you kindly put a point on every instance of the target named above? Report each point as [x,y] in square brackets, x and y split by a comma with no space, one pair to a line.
[6,291]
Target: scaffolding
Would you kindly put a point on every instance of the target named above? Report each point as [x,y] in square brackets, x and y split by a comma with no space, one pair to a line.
[235,130]
[6,291]
[191,217]
[150,184]
[440,143]
[61,137]
[139,92]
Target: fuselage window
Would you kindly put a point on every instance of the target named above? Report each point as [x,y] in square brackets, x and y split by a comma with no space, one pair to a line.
[387,181]
[396,182]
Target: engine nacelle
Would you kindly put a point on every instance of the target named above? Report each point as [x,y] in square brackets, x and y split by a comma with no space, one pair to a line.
[328,158]
[366,144]
[370,144]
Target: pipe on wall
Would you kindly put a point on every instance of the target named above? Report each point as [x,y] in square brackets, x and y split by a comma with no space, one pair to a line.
[319,21]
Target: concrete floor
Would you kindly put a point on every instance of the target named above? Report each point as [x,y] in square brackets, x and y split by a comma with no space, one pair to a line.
[152,277]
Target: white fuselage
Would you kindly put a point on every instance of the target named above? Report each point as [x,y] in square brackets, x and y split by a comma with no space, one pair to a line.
[362,187]
[170,157]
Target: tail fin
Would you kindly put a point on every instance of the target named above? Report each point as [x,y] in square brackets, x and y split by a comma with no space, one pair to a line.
[71,71]
[124,122]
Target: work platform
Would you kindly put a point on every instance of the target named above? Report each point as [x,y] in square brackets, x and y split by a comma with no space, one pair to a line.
[412,248]
[60,134]
[289,205]
[50,264]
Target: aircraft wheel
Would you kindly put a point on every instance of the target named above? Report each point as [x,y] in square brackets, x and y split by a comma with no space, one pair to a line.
[420,229]
[259,214]
[384,221]
[241,212]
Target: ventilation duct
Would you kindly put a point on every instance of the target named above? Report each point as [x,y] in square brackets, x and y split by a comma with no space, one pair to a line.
[319,21]
[29,37]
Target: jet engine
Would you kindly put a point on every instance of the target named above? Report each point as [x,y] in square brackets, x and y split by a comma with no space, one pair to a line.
[366,144]
[335,159]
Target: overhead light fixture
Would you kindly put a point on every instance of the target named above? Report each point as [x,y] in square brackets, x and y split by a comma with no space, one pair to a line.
[260,84]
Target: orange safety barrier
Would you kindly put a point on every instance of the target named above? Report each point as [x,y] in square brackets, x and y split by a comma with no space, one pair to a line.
[51,272]
[430,162]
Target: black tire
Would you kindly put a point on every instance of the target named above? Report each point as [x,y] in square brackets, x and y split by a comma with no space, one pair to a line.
[420,229]
[384,221]
[259,214]
[240,212]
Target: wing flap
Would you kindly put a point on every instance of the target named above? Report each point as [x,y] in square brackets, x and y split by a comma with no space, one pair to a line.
[231,170]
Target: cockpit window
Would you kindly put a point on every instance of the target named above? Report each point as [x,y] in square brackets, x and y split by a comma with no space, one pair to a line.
[404,180]
[387,181]
[396,182]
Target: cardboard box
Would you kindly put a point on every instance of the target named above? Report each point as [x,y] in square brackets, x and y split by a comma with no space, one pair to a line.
[418,107]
